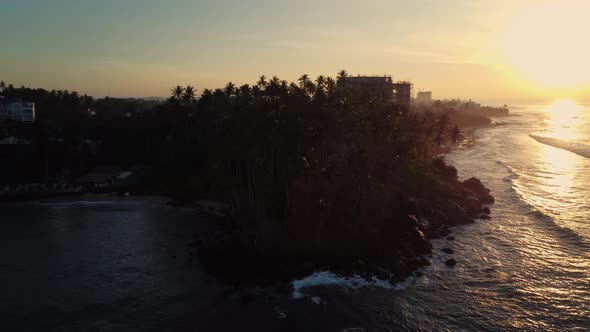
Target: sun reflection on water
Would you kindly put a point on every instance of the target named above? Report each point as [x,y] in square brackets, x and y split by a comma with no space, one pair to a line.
[563,119]
[555,188]
[560,168]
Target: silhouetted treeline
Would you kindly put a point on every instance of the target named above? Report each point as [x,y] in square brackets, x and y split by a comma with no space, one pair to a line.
[72,134]
[240,140]
[303,159]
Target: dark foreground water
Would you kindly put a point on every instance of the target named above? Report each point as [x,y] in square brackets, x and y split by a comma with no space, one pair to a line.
[125,265]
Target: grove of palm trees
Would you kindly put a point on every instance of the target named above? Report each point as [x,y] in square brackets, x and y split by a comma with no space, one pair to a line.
[313,171]
[317,171]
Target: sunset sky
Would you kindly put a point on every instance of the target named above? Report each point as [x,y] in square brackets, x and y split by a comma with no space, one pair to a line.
[496,51]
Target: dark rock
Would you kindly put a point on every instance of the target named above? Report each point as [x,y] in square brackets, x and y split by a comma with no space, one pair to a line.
[450,262]
[451,238]
[475,186]
[471,206]
[418,274]
[444,231]
[448,251]
[417,262]
[458,215]
[485,216]
[415,242]
[485,210]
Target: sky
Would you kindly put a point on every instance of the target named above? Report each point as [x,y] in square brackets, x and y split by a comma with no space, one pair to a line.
[497,51]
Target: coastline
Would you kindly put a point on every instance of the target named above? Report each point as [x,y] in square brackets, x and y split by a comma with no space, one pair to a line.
[222,256]
[389,270]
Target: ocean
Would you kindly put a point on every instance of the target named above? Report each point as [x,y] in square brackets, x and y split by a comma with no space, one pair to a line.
[125,265]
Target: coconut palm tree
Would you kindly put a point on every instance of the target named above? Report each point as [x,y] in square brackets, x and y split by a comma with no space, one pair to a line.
[229,89]
[341,77]
[303,81]
[177,93]
[320,88]
[188,95]
[262,82]
[330,86]
[455,136]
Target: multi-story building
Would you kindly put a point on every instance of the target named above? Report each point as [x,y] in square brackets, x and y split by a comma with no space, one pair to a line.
[400,92]
[382,85]
[424,97]
[16,110]
[403,92]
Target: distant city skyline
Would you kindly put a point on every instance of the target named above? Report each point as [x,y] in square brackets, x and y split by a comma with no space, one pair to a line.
[503,51]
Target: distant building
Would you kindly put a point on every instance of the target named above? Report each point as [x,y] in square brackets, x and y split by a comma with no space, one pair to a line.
[424,97]
[400,92]
[403,93]
[16,110]
[382,85]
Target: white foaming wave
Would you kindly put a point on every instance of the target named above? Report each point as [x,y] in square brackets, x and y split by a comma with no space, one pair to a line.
[572,146]
[328,278]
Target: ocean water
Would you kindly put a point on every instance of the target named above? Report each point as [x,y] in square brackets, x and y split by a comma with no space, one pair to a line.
[528,268]
[91,266]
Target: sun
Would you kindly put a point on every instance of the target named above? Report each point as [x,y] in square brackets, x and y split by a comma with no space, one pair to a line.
[545,42]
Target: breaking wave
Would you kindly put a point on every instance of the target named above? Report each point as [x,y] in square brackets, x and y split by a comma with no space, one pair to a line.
[575,147]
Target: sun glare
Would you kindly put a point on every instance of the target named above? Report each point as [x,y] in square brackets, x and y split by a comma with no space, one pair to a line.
[563,119]
[545,43]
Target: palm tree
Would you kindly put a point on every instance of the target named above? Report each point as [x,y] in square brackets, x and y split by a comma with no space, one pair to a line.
[177,93]
[341,78]
[330,86]
[188,95]
[244,90]
[320,88]
[229,90]
[262,82]
[303,81]
[438,141]
[2,86]
[455,136]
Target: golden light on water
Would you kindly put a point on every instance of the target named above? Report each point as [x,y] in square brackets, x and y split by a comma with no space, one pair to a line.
[559,167]
[563,119]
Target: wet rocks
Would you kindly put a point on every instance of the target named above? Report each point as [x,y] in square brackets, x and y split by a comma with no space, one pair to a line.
[450,262]
[475,186]
[448,251]
[451,238]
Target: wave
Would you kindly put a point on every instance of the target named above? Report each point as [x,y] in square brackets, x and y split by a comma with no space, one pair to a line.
[577,148]
[327,278]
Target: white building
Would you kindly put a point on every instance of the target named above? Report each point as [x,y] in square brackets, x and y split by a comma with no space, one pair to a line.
[22,111]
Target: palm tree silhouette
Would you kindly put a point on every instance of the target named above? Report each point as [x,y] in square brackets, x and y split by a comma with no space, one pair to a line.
[177,93]
[188,95]
[262,82]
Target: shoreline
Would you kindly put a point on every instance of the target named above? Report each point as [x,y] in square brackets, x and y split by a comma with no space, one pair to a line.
[88,197]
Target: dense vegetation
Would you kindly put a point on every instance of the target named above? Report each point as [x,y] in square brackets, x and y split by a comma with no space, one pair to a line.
[309,167]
